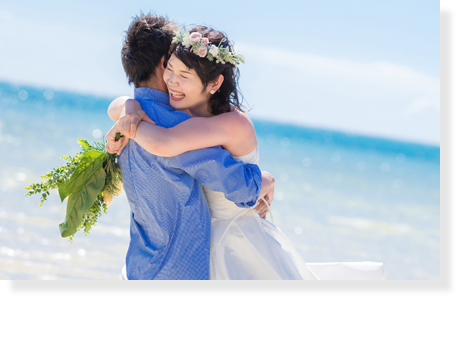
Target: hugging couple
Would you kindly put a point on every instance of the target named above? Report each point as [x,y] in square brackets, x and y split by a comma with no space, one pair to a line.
[189,162]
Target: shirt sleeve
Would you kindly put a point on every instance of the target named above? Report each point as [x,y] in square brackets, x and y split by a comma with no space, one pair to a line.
[215,168]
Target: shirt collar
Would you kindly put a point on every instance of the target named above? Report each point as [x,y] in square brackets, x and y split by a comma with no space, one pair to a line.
[153,94]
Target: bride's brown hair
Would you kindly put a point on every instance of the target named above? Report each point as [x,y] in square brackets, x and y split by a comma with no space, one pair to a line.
[209,71]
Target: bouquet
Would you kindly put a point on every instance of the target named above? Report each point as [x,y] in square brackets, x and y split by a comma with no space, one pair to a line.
[88,181]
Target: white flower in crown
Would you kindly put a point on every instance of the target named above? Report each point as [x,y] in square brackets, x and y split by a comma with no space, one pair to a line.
[186,41]
[181,36]
[214,50]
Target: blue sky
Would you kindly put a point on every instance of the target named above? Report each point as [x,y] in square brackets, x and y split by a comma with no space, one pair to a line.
[368,67]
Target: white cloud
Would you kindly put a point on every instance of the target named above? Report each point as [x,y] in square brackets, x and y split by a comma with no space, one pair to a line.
[374,72]
[420,104]
[369,97]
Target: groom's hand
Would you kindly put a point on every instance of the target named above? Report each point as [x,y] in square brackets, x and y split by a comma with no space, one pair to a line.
[267,192]
[130,117]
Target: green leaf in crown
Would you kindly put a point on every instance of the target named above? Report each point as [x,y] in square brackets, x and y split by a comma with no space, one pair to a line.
[88,181]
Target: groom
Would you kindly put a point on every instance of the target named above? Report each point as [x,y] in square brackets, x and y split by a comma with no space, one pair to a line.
[170,220]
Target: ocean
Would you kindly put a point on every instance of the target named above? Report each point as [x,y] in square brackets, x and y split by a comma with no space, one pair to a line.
[338,196]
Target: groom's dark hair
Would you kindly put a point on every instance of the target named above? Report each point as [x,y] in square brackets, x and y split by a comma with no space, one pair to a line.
[147,40]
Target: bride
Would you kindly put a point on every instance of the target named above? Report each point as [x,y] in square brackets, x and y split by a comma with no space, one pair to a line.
[202,79]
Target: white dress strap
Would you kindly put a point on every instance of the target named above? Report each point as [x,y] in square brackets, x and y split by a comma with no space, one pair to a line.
[269,211]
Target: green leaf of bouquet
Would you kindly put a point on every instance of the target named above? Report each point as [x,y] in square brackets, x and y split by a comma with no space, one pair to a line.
[81,201]
[89,164]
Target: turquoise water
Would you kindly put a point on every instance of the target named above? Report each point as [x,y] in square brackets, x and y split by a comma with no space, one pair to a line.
[338,197]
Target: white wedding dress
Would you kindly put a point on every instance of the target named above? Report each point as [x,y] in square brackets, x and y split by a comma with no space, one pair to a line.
[246,247]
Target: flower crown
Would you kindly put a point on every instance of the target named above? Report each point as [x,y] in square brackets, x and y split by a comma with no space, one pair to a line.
[203,48]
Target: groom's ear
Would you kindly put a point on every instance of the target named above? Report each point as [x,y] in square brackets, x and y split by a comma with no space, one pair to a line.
[163,62]
[160,69]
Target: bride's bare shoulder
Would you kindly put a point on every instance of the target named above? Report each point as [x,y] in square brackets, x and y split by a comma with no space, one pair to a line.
[238,120]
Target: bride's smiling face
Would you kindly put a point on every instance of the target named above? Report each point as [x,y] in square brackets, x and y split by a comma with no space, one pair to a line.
[184,86]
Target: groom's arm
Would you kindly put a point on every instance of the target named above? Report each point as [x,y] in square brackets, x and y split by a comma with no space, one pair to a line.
[215,168]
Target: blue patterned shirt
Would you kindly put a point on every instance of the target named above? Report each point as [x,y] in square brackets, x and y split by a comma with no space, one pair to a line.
[170,220]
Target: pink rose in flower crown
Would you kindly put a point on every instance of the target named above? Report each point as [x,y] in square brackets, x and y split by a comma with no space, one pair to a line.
[195,37]
[204,40]
[202,51]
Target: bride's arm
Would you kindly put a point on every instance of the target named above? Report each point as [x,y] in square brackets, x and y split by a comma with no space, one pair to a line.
[126,113]
[116,107]
[192,134]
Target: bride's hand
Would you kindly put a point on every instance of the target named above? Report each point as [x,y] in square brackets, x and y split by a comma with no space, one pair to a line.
[262,208]
[267,192]
[113,146]
[131,115]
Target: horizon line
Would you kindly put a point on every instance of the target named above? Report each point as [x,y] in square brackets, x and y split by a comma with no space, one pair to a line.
[257,116]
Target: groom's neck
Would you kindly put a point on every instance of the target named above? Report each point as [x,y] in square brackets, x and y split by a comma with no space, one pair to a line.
[156,84]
